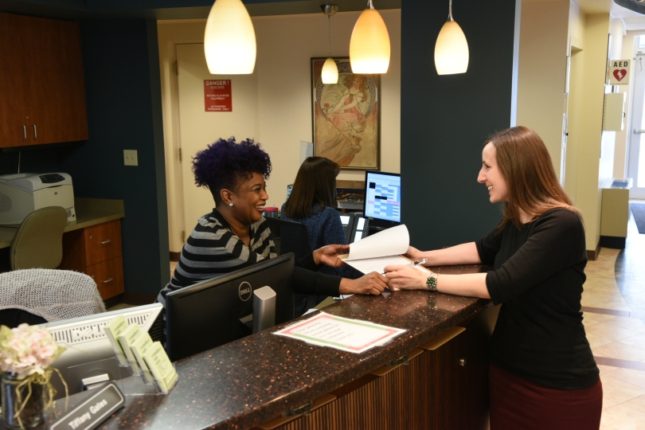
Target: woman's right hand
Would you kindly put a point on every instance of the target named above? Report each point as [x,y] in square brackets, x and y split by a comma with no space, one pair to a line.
[414,254]
[372,283]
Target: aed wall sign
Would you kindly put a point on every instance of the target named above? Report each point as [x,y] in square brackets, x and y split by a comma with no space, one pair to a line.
[217,95]
[619,72]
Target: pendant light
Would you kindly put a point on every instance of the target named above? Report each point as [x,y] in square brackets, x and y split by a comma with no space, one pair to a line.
[229,39]
[451,48]
[369,46]
[329,72]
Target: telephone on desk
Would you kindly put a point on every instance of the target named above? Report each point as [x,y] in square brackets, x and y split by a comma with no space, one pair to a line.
[355,226]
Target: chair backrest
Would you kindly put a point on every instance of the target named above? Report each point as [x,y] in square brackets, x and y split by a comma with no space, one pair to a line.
[49,294]
[39,239]
[293,237]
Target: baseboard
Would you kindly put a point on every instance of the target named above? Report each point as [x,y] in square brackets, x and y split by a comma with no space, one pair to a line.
[612,242]
[593,254]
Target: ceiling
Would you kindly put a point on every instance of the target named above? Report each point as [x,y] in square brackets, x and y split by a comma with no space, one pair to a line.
[198,9]
[175,9]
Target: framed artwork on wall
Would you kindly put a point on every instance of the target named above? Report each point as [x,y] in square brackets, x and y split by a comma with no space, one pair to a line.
[346,117]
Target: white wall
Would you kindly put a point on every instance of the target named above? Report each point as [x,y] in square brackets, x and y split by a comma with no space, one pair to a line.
[282,72]
[541,100]
[622,137]
[585,121]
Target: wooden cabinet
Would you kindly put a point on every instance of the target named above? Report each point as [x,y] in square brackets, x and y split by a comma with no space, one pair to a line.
[441,385]
[42,89]
[97,251]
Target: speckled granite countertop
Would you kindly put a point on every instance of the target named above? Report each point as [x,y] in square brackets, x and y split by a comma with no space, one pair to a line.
[258,378]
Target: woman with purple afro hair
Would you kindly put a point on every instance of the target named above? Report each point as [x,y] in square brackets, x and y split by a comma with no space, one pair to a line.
[222,163]
[235,234]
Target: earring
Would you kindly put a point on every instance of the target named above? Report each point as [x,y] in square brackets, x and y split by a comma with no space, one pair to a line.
[230,204]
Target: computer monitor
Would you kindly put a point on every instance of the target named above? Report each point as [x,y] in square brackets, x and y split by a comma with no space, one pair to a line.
[215,311]
[382,199]
[89,354]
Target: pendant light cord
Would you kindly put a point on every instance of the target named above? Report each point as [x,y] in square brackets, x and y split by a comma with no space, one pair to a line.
[329,33]
[449,10]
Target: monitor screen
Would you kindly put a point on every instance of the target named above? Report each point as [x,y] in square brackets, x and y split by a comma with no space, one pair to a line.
[215,311]
[88,351]
[382,197]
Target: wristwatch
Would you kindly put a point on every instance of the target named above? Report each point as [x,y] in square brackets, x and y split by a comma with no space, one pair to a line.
[431,282]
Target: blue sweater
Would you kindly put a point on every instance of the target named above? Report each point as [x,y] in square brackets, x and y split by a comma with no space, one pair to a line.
[323,227]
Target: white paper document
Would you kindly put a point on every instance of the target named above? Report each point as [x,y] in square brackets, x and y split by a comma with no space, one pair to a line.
[346,334]
[373,253]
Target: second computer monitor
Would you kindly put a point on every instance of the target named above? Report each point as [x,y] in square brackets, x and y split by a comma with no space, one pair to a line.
[382,198]
[219,310]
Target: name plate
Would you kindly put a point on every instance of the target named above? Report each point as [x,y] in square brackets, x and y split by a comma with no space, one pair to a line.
[93,411]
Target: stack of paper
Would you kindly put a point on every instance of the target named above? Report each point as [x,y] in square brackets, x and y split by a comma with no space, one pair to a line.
[113,330]
[160,366]
[141,353]
[373,253]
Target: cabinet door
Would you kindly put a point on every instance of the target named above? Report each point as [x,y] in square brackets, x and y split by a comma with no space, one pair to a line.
[13,92]
[56,87]
[41,61]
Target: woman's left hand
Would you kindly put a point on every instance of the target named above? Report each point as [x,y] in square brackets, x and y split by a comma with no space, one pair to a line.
[329,255]
[406,277]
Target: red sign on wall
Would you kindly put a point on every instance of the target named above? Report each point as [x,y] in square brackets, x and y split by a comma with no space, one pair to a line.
[217,95]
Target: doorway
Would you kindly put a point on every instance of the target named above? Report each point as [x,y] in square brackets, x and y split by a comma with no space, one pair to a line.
[200,127]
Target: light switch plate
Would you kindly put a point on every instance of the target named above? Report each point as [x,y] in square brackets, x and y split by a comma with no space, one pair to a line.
[130,157]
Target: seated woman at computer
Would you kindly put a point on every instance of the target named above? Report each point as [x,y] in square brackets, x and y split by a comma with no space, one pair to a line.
[235,234]
[543,374]
[312,202]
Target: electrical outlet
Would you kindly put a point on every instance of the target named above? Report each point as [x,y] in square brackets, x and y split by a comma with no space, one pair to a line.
[130,157]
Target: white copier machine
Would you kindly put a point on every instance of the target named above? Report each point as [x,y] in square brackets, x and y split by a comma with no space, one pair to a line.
[23,193]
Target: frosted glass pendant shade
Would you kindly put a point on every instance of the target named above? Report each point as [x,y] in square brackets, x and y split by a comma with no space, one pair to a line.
[229,39]
[369,46]
[329,72]
[451,50]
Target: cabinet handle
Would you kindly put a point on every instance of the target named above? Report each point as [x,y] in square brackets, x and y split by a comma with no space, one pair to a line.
[106,242]
[462,362]
[24,131]
[35,131]
[108,280]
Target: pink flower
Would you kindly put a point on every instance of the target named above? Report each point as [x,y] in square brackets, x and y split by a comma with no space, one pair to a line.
[27,350]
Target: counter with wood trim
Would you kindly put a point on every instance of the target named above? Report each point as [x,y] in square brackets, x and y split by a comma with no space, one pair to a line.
[432,376]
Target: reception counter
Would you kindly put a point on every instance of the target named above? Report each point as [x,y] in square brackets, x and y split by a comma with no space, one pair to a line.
[432,376]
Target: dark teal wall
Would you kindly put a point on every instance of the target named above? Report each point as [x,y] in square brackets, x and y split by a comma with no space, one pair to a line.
[445,119]
[124,112]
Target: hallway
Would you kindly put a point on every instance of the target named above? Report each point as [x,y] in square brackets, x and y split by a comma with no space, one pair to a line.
[614,316]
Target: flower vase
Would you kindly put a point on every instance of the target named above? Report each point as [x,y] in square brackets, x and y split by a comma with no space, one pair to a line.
[23,402]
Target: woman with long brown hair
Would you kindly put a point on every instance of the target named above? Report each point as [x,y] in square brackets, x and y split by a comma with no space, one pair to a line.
[313,202]
[543,374]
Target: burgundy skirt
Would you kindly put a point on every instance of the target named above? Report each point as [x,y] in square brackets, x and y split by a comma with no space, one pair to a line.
[518,404]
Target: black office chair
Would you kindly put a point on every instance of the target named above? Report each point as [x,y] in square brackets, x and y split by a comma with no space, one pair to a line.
[291,236]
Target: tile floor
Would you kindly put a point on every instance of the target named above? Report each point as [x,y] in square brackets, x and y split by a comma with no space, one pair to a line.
[614,316]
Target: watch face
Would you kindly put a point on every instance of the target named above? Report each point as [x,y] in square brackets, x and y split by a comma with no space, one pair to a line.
[431,282]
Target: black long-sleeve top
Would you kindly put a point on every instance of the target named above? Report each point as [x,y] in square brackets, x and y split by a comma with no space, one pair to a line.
[538,276]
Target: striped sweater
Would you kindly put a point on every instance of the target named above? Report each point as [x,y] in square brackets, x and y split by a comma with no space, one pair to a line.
[213,249]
